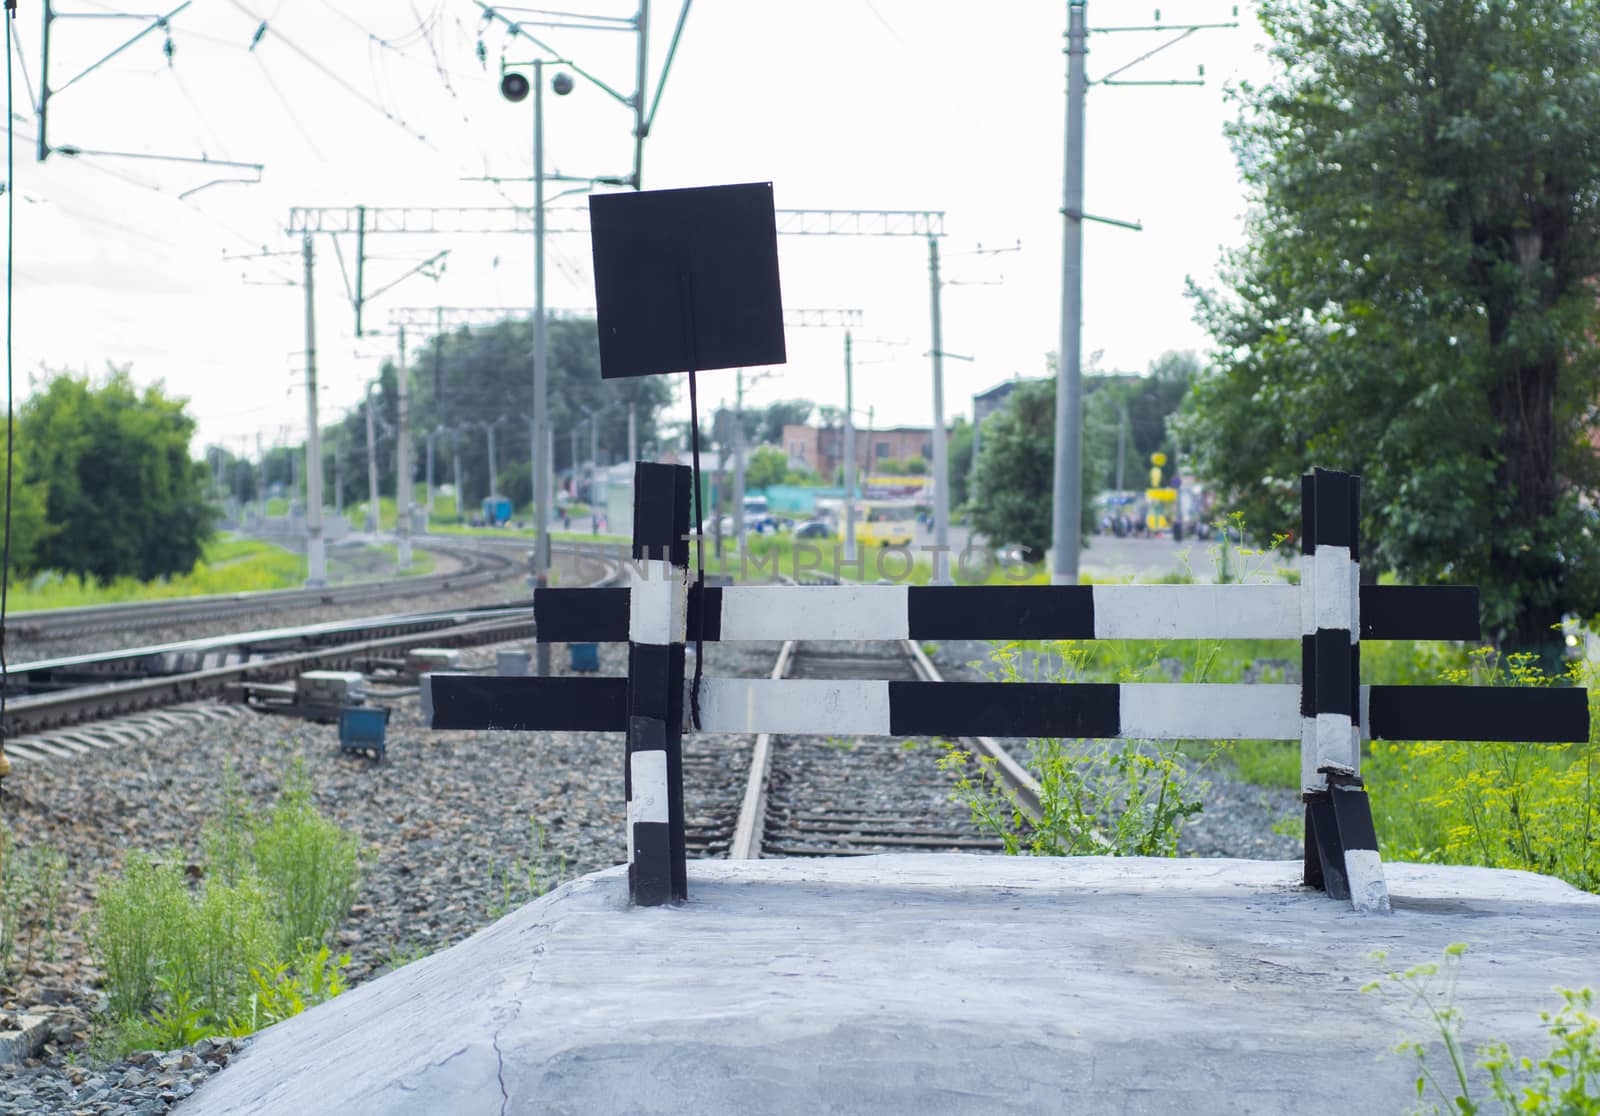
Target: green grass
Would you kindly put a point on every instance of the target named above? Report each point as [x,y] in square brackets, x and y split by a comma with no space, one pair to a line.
[227,566]
[243,947]
[764,557]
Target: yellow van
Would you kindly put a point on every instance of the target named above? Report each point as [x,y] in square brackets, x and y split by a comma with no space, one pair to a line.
[885,524]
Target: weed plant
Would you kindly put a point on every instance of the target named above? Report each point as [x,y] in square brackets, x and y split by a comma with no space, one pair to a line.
[247,946]
[307,863]
[1502,805]
[1097,798]
[1565,1081]
[33,890]
[528,877]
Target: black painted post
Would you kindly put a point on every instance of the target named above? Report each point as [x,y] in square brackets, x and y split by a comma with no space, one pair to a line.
[1341,852]
[658,591]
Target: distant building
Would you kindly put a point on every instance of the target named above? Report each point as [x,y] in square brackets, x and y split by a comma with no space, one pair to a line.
[986,403]
[821,449]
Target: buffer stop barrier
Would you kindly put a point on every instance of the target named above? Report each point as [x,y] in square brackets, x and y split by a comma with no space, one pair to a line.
[1330,713]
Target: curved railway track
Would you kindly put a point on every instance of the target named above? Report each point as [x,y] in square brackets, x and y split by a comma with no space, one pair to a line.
[482,562]
[819,796]
[51,694]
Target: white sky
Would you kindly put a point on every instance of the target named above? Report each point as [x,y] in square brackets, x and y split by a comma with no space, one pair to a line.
[887,104]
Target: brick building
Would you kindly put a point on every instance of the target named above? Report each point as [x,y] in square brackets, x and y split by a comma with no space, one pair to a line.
[821,449]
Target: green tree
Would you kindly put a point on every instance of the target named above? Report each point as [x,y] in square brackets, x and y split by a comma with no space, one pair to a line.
[30,525]
[1015,477]
[784,412]
[124,495]
[1416,301]
[959,446]
[472,376]
[766,466]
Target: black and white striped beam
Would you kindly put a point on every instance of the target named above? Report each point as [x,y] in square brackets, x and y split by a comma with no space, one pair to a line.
[886,612]
[1142,710]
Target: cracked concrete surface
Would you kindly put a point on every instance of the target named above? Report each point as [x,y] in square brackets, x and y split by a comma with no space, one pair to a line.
[928,984]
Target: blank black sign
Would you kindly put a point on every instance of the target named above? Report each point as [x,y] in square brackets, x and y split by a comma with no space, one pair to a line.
[686,279]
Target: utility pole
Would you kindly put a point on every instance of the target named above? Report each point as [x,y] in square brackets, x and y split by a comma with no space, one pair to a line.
[261,484]
[455,451]
[941,462]
[402,478]
[543,490]
[633,433]
[1066,512]
[849,453]
[494,480]
[44,82]
[373,519]
[316,556]
[338,478]
[738,457]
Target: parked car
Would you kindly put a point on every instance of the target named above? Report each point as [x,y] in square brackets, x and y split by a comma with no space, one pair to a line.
[710,526]
[814,529]
[768,524]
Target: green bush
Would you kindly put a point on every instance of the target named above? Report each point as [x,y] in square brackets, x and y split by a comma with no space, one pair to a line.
[244,948]
[140,916]
[228,930]
[308,864]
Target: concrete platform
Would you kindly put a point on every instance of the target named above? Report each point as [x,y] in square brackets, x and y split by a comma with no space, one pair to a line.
[928,985]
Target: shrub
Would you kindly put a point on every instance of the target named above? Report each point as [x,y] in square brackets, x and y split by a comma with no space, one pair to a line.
[180,965]
[140,916]
[308,864]
[228,931]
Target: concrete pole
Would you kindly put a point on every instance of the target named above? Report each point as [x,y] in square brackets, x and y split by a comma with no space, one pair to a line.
[1066,516]
[261,483]
[543,489]
[373,519]
[428,501]
[494,480]
[316,554]
[594,448]
[338,478]
[633,433]
[455,451]
[738,455]
[941,462]
[402,452]
[849,453]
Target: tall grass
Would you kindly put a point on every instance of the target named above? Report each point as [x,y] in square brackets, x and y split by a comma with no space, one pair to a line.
[308,864]
[248,944]
[232,566]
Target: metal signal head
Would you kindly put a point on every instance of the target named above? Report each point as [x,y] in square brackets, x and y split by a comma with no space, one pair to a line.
[562,84]
[514,86]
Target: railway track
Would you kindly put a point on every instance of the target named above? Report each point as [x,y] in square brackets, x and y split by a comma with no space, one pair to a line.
[53,694]
[482,562]
[819,796]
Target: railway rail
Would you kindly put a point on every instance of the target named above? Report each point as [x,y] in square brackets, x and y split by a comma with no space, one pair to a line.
[52,694]
[810,796]
[483,562]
